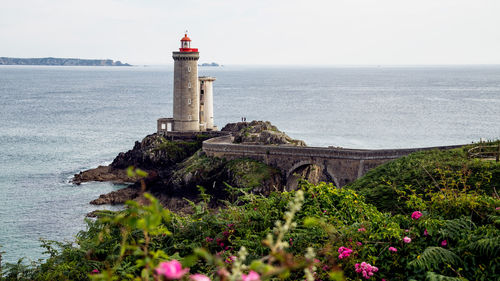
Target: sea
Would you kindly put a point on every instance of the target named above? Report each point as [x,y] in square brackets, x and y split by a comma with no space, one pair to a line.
[57,121]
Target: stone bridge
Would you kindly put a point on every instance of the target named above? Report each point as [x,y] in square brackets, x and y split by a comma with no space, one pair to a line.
[338,165]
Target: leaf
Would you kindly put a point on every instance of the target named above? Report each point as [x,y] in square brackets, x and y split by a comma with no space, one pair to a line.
[433,257]
[486,246]
[310,222]
[455,228]
[141,173]
[432,276]
[130,172]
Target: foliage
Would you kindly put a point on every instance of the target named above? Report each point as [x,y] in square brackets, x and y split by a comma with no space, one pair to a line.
[390,185]
[241,174]
[178,150]
[248,173]
[445,229]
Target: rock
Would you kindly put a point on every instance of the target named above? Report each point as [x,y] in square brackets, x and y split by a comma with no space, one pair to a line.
[177,167]
[117,197]
[103,173]
[99,213]
[212,173]
[253,176]
[155,152]
[260,132]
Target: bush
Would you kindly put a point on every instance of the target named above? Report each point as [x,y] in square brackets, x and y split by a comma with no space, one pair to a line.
[445,229]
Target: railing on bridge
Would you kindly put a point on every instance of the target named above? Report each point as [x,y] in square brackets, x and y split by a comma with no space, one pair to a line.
[485,151]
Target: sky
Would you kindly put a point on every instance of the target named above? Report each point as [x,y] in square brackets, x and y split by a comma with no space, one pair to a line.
[262,32]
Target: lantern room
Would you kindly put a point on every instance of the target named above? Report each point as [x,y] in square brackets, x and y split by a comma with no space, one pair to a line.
[186,45]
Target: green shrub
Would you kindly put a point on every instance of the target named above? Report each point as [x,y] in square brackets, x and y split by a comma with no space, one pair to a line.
[449,216]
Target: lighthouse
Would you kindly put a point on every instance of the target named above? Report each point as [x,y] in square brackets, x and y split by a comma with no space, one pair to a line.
[192,96]
[186,96]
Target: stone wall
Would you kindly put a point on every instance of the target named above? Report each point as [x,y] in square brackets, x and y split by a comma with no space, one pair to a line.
[340,165]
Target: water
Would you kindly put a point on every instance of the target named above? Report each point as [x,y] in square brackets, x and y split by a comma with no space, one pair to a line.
[57,121]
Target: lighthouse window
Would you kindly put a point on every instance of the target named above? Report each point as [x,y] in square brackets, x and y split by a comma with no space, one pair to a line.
[189,68]
[189,117]
[189,101]
[189,85]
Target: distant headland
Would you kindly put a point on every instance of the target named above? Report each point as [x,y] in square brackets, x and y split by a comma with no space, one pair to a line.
[209,64]
[60,61]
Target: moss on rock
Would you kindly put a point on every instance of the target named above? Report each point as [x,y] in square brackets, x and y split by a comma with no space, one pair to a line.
[155,152]
[249,173]
[212,173]
[260,132]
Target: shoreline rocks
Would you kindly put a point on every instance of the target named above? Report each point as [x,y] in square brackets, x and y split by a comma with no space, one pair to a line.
[176,168]
[117,197]
[103,174]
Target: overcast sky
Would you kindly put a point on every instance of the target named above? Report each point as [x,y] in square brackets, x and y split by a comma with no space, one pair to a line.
[311,32]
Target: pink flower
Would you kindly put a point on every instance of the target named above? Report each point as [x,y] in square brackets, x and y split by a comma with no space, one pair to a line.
[95,271]
[425,232]
[199,277]
[344,252]
[359,243]
[407,239]
[416,215]
[444,243]
[362,229]
[366,269]
[392,249]
[171,269]
[252,276]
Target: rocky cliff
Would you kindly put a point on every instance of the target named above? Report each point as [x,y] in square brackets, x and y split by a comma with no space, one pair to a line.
[177,168]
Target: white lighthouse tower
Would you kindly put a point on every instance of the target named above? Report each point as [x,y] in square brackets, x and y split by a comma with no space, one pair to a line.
[193,95]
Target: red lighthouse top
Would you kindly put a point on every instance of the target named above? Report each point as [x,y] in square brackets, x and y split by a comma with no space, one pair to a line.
[186,45]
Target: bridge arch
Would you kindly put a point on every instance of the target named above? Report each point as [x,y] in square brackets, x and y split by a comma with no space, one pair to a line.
[300,164]
[310,170]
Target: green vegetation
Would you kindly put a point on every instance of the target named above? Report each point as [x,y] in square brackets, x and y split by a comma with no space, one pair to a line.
[437,218]
[389,186]
[248,173]
[179,150]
